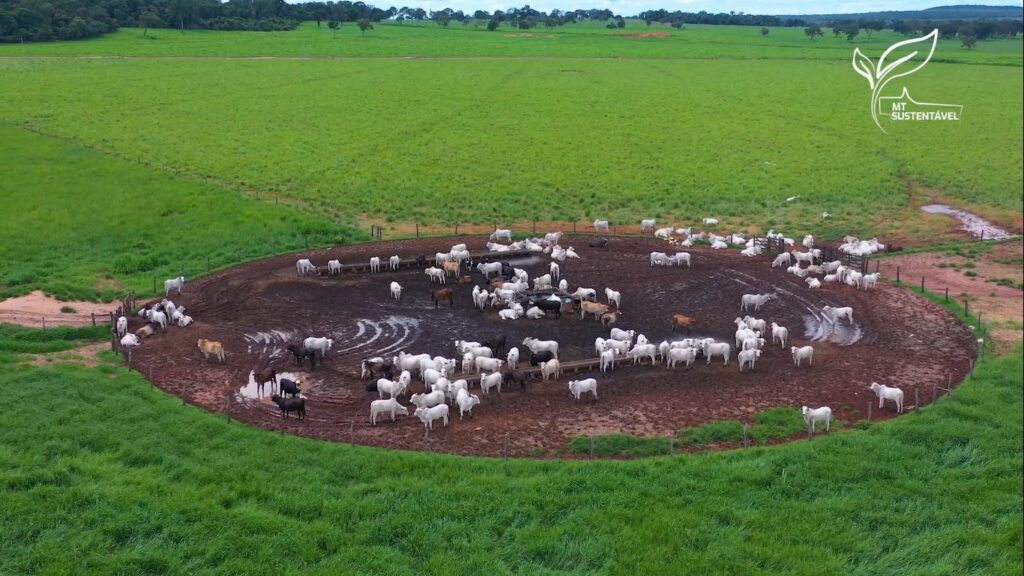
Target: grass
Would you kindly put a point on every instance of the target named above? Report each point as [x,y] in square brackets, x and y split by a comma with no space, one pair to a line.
[107,476]
[15,339]
[110,225]
[712,433]
[691,127]
[582,40]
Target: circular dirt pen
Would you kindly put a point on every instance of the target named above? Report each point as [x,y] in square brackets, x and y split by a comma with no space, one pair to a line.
[255,310]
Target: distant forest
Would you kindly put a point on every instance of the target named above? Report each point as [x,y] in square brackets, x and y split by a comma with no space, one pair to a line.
[44,20]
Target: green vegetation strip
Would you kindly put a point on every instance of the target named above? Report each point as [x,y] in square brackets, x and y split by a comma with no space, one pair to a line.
[100,474]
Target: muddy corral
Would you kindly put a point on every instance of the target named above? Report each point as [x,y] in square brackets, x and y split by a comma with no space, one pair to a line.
[255,310]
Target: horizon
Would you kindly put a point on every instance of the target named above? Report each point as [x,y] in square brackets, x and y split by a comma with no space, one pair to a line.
[635,7]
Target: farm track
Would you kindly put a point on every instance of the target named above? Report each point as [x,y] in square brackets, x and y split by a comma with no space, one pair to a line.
[898,339]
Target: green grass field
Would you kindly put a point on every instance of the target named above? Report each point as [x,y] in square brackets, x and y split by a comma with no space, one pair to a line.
[100,474]
[569,125]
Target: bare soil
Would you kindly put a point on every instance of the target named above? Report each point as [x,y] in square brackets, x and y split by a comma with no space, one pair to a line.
[1002,307]
[34,308]
[255,310]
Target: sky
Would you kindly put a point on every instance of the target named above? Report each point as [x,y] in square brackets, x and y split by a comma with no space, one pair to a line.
[633,7]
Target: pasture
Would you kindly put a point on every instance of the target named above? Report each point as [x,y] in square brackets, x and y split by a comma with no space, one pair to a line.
[628,128]
[128,160]
[107,475]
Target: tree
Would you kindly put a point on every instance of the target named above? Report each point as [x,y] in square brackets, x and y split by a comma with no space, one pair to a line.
[364,25]
[677,24]
[492,25]
[764,31]
[812,31]
[648,21]
[333,25]
[620,23]
[442,19]
[150,19]
[870,26]
[851,30]
[968,36]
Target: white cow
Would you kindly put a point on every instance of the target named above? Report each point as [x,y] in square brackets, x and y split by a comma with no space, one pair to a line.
[779,334]
[305,266]
[334,267]
[613,296]
[466,402]
[607,360]
[501,234]
[375,264]
[489,381]
[801,354]
[389,406]
[579,387]
[685,355]
[513,358]
[550,369]
[755,300]
[748,358]
[712,349]
[395,262]
[823,414]
[600,225]
[122,326]
[834,314]
[176,284]
[887,393]
[396,290]
[436,274]
[321,345]
[428,415]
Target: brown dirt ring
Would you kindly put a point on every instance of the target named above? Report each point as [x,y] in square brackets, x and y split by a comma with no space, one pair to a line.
[901,340]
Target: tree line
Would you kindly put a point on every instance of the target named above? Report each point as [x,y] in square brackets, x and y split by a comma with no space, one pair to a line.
[43,20]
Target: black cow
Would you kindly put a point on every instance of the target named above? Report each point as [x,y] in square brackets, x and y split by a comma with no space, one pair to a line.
[297,405]
[286,386]
[599,243]
[537,358]
[496,344]
[300,352]
[519,376]
[549,305]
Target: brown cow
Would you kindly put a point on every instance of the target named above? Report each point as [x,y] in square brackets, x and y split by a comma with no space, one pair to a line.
[592,308]
[452,268]
[681,321]
[262,377]
[609,318]
[465,280]
[208,347]
[443,294]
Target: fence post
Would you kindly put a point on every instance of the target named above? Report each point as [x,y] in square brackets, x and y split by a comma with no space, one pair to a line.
[456,229]
[573,226]
[591,447]
[744,435]
[897,273]
[113,334]
[351,431]
[917,398]
[417,229]
[154,284]
[44,323]
[947,293]
[534,225]
[504,447]
[966,308]
[671,445]
[878,263]
[922,284]
[870,406]
[972,371]
[93,315]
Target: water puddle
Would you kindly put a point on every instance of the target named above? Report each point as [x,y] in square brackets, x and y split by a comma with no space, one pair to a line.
[819,329]
[251,391]
[975,226]
[524,261]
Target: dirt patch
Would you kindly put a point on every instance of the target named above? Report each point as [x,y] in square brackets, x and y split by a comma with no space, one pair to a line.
[1001,307]
[529,35]
[257,309]
[646,35]
[87,356]
[36,309]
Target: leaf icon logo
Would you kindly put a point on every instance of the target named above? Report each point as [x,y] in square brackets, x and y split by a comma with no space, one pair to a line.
[899,56]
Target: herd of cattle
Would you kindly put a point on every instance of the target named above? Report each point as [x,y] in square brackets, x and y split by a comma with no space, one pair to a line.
[508,291]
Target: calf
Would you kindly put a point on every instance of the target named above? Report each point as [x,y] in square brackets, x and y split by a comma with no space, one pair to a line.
[823,414]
